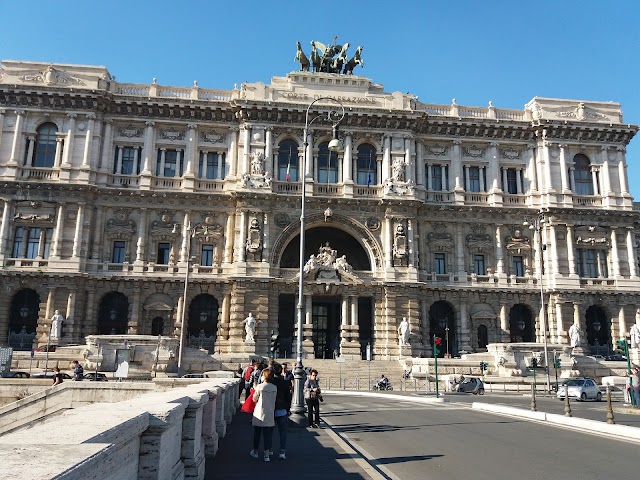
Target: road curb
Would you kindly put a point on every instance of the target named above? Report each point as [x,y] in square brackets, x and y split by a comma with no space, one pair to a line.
[402,398]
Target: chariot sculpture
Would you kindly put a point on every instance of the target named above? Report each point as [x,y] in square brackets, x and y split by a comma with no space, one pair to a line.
[329,58]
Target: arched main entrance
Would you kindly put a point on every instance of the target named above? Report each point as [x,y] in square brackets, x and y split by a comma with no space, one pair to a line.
[483,336]
[113,314]
[157,326]
[598,330]
[202,325]
[442,324]
[521,326]
[23,319]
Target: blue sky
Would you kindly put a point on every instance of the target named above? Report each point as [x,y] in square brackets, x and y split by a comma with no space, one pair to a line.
[474,51]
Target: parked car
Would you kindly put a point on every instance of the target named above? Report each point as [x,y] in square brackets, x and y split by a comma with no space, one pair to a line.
[580,389]
[95,377]
[15,375]
[615,358]
[470,385]
[49,375]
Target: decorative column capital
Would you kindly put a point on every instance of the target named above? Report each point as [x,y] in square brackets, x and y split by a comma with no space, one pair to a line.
[192,126]
[91,116]
[72,116]
[621,148]
[457,142]
[150,123]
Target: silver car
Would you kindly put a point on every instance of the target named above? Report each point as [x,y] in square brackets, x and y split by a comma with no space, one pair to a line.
[581,389]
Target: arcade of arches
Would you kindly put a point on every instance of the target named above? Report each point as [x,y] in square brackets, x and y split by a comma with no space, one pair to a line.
[344,311]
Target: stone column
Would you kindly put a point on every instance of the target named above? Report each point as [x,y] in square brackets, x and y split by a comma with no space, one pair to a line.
[95,246]
[505,331]
[615,259]
[134,327]
[559,325]
[594,180]
[4,227]
[149,148]
[460,253]
[410,241]
[354,315]
[31,142]
[554,269]
[388,232]
[77,238]
[420,165]
[531,170]
[142,236]
[14,159]
[107,149]
[268,151]
[519,181]
[499,259]
[493,168]
[622,174]
[466,178]
[505,187]
[69,326]
[546,154]
[41,240]
[309,164]
[163,156]
[58,233]
[622,324]
[190,154]
[577,319]
[186,237]
[2,112]
[424,322]
[631,254]
[481,172]
[456,165]
[58,155]
[408,160]
[242,238]
[604,177]
[563,169]
[344,322]
[88,143]
[246,150]
[570,251]
[233,151]
[347,171]
[266,228]
[464,327]
[229,237]
[120,150]
[427,176]
[226,317]
[386,158]
[67,158]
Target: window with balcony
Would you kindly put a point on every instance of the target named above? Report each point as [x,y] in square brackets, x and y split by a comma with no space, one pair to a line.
[327,164]
[518,266]
[582,176]
[119,251]
[170,163]
[44,154]
[164,250]
[206,258]
[127,160]
[440,263]
[511,185]
[288,161]
[474,179]
[212,166]
[438,182]
[32,242]
[366,165]
[591,263]
[478,265]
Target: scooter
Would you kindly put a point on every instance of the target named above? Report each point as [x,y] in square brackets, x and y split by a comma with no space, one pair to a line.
[382,386]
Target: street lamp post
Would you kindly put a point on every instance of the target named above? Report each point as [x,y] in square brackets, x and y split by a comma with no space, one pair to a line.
[191,232]
[537,223]
[334,116]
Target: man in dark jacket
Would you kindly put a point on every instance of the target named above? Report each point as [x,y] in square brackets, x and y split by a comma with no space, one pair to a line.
[283,403]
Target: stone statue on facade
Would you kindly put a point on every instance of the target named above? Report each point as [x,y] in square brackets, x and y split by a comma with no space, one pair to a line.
[249,328]
[404,332]
[257,163]
[574,335]
[302,58]
[329,58]
[56,324]
[635,336]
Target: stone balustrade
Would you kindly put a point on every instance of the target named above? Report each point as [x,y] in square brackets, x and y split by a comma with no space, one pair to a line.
[160,430]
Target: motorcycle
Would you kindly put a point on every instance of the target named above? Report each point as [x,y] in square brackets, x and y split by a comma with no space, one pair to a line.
[382,386]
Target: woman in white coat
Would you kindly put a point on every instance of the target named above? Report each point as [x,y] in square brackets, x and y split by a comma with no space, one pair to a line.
[263,420]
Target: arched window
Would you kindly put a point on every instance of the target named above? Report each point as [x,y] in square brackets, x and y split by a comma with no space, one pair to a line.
[327,164]
[366,165]
[45,151]
[288,161]
[582,179]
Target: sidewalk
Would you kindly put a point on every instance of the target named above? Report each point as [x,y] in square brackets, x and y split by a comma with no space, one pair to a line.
[311,454]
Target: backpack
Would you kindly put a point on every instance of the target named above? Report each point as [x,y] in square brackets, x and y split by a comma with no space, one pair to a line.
[247,373]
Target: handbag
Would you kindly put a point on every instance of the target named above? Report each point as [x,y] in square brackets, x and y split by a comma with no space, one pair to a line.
[249,404]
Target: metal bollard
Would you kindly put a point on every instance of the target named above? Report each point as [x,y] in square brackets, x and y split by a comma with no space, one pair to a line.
[610,418]
[567,405]
[533,398]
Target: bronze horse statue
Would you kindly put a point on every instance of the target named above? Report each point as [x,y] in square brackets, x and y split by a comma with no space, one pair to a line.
[316,59]
[302,58]
[356,60]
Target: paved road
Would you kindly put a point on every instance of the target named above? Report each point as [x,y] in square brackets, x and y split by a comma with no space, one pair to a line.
[450,441]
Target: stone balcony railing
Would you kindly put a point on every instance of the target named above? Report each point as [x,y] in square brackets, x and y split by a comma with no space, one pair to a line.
[490,112]
[184,93]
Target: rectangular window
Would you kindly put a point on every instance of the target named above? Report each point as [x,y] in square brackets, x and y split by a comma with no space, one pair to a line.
[604,271]
[580,262]
[207,256]
[47,242]
[127,161]
[436,176]
[439,263]
[164,248]
[478,265]
[208,167]
[33,241]
[512,181]
[173,163]
[118,251]
[17,242]
[518,266]
[591,263]
[474,179]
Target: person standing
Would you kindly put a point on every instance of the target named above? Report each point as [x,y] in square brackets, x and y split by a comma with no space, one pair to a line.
[263,419]
[78,371]
[57,377]
[283,405]
[312,396]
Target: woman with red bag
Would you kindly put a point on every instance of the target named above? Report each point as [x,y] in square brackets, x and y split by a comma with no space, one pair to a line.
[263,419]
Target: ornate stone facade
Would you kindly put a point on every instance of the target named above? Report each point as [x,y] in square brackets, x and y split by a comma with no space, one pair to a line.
[113,191]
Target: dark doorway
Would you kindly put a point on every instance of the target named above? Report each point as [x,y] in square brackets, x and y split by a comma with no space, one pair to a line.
[442,324]
[316,237]
[325,316]
[23,319]
[157,326]
[365,325]
[483,336]
[521,326]
[287,324]
[598,330]
[113,314]
[203,322]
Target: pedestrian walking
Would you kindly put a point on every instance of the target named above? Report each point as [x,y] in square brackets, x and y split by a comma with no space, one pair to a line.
[282,408]
[78,371]
[313,397]
[263,419]
[57,376]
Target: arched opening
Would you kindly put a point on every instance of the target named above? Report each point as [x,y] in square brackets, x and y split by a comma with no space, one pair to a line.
[45,152]
[598,330]
[202,325]
[113,314]
[442,324]
[582,177]
[483,336]
[23,319]
[366,165]
[339,240]
[521,326]
[157,326]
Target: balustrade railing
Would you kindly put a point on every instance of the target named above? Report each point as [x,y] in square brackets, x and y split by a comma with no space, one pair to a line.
[477,198]
[167,182]
[286,187]
[157,91]
[36,173]
[329,190]
[210,185]
[439,197]
[119,180]
[514,199]
[586,201]
[367,192]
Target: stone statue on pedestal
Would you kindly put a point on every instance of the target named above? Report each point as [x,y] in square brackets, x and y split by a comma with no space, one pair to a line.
[250,328]
[635,336]
[574,335]
[404,332]
[56,324]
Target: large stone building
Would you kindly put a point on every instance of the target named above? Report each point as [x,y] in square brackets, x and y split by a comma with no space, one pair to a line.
[112,192]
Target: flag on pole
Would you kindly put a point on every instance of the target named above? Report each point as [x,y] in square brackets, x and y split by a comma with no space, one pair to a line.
[369,180]
[287,177]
